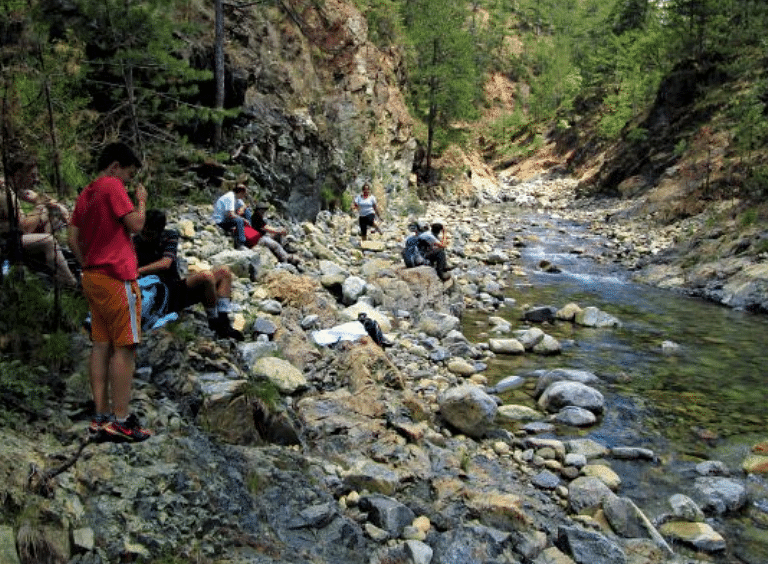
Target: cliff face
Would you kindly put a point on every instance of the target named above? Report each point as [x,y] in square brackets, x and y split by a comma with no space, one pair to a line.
[321,107]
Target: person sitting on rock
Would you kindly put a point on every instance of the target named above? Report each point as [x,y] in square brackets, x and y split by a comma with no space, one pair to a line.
[271,237]
[231,213]
[35,234]
[156,249]
[432,247]
[411,254]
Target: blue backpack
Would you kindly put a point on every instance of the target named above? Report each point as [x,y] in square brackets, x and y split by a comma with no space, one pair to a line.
[154,303]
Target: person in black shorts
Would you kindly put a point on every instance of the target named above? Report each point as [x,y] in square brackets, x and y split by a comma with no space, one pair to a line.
[157,248]
[365,204]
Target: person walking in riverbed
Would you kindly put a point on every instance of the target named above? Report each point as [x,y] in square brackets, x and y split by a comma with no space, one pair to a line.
[100,236]
[365,204]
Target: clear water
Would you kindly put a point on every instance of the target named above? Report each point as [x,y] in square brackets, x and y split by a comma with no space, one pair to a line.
[707,400]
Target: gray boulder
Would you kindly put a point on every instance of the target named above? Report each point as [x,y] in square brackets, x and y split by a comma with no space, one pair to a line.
[719,495]
[387,513]
[469,409]
[587,547]
[564,393]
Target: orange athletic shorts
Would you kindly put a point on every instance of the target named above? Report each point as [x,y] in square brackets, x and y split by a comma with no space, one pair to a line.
[115,309]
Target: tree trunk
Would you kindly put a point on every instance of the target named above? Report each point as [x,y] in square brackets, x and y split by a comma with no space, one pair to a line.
[14,250]
[218,56]
[129,89]
[57,178]
[431,118]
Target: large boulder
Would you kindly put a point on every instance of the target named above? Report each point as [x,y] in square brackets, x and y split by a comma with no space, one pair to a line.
[594,317]
[437,324]
[469,409]
[586,494]
[588,547]
[719,495]
[226,411]
[565,393]
[286,377]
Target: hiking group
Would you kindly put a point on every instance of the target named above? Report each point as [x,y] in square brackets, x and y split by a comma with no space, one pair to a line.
[117,245]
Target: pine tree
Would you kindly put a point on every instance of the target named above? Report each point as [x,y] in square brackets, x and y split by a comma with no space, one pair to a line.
[42,78]
[444,81]
[141,81]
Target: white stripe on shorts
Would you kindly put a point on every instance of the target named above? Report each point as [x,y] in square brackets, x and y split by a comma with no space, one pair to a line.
[132,298]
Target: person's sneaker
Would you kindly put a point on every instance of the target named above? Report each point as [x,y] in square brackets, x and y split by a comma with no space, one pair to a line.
[96,428]
[222,326]
[130,431]
[230,332]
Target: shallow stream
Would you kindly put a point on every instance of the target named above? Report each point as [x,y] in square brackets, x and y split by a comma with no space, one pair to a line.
[706,399]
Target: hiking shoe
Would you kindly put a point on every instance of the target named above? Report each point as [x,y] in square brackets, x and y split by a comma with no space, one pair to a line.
[96,428]
[130,431]
[222,326]
[229,332]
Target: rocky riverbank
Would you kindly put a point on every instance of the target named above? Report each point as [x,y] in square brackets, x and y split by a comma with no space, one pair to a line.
[719,254]
[281,450]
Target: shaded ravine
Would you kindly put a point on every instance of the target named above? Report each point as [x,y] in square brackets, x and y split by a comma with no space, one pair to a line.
[701,395]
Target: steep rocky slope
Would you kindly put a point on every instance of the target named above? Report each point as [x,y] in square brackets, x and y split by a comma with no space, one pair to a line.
[321,106]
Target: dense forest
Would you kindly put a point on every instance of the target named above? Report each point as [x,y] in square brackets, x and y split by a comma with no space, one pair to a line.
[152,72]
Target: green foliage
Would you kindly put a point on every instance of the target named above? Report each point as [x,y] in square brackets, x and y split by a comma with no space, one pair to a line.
[413,206]
[254,482]
[334,196]
[140,78]
[385,25]
[504,130]
[637,135]
[54,348]
[28,306]
[761,246]
[556,82]
[465,460]
[747,110]
[181,332]
[444,80]
[43,84]
[756,184]
[22,388]
[265,391]
[346,201]
[749,217]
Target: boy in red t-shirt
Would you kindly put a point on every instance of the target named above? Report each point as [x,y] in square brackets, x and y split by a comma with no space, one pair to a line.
[100,232]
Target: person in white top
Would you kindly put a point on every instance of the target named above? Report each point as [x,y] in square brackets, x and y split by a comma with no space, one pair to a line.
[365,204]
[230,211]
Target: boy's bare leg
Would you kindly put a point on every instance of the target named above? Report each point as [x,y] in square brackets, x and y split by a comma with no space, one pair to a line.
[207,279]
[99,366]
[121,378]
[45,244]
[223,277]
